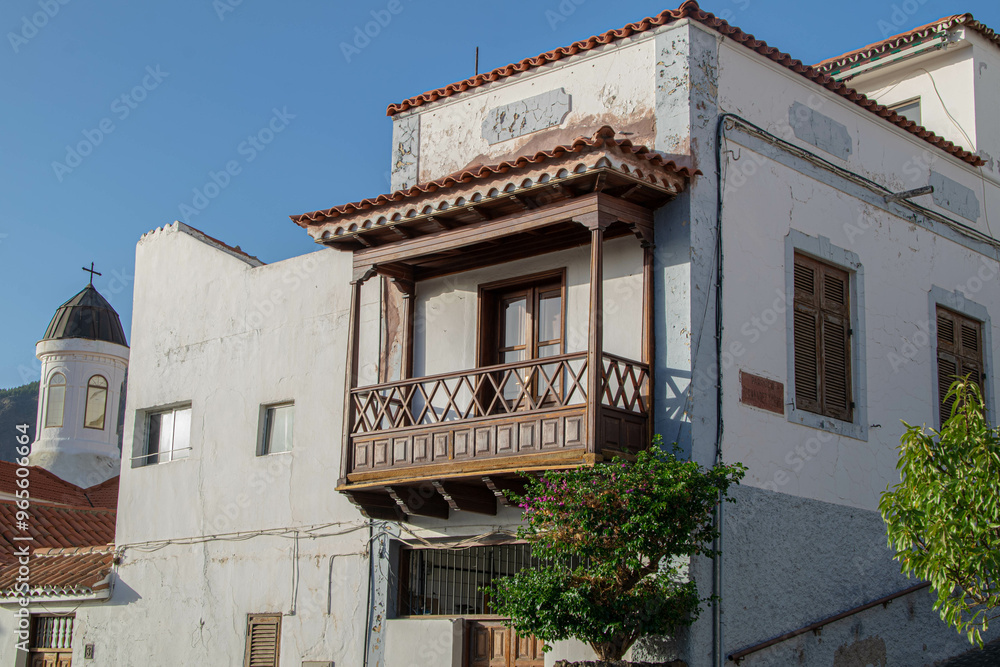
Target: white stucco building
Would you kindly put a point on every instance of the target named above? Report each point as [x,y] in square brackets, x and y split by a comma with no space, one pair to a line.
[320,451]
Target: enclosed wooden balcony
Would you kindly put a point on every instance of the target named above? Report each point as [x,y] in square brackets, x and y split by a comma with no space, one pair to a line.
[428,444]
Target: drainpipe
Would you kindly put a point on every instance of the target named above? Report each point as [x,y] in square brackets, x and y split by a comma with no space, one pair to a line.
[718,649]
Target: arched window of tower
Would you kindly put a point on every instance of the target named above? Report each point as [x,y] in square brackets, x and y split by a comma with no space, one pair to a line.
[55,400]
[97,403]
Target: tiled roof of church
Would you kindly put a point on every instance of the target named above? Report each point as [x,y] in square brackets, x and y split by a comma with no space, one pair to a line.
[104,494]
[42,486]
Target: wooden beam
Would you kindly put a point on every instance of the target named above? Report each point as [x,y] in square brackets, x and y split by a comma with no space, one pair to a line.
[595,351]
[467,497]
[631,191]
[505,490]
[401,232]
[422,500]
[478,232]
[478,212]
[376,505]
[471,470]
[648,336]
[351,379]
[362,240]
[443,225]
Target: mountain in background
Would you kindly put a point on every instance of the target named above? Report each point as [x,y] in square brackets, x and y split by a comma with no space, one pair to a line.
[18,405]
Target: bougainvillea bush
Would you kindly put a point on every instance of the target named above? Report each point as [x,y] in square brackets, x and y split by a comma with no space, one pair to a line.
[612,539]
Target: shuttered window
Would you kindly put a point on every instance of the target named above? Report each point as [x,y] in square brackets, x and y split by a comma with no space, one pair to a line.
[959,354]
[822,333]
[263,640]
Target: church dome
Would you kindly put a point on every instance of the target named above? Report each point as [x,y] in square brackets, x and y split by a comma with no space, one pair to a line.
[87,315]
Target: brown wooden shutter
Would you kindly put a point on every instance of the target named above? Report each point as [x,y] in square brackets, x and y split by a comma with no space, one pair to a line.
[959,354]
[806,333]
[263,640]
[822,339]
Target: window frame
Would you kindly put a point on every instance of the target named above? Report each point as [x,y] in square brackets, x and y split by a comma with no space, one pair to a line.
[957,302]
[909,102]
[86,405]
[145,457]
[48,399]
[820,249]
[262,433]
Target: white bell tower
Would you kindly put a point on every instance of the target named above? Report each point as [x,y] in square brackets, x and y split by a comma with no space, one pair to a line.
[84,357]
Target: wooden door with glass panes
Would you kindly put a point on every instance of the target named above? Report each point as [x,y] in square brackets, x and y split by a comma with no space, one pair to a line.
[530,326]
[491,644]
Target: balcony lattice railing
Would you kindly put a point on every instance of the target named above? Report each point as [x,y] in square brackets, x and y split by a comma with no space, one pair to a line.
[492,391]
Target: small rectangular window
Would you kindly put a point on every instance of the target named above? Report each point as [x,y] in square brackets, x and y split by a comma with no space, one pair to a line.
[263,640]
[168,436]
[959,354]
[910,110]
[279,423]
[822,333]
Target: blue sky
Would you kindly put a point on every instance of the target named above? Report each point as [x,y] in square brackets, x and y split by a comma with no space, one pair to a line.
[163,94]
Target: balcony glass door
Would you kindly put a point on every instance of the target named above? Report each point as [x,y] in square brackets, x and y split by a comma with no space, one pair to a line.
[530,326]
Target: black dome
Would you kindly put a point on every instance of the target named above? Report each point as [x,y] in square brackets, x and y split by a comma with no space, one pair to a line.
[87,315]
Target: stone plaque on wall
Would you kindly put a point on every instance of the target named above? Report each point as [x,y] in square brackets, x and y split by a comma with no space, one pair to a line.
[762,393]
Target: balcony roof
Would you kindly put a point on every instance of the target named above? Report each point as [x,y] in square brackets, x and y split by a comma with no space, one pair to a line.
[598,163]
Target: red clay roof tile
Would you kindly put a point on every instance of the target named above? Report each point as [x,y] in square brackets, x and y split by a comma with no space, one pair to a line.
[691,10]
[54,526]
[42,485]
[73,571]
[104,494]
[904,38]
[603,138]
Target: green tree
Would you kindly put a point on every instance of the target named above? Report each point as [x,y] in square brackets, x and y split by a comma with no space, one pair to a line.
[943,518]
[612,539]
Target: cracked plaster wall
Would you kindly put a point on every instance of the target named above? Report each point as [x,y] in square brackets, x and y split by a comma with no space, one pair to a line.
[227,338]
[607,86]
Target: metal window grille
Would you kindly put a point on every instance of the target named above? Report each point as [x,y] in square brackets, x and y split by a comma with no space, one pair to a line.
[447,581]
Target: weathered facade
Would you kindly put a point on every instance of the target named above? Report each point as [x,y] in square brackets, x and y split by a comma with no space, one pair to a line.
[448,338]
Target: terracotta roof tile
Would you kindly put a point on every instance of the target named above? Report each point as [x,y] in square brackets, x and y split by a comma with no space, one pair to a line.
[897,41]
[691,10]
[42,485]
[603,138]
[74,571]
[104,494]
[55,526]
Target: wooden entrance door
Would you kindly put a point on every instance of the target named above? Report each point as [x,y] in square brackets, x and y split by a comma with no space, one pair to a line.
[491,644]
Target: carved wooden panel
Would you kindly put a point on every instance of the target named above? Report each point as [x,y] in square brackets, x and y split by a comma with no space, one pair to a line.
[381,452]
[400,450]
[484,439]
[440,446]
[505,439]
[421,448]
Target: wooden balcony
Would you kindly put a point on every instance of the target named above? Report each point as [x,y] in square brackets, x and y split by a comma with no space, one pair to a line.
[466,436]
[427,446]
